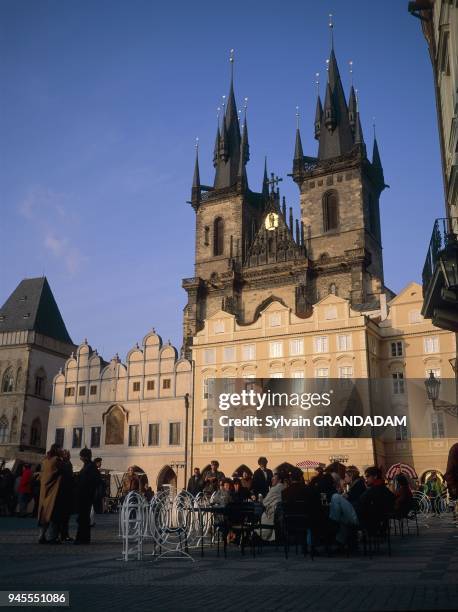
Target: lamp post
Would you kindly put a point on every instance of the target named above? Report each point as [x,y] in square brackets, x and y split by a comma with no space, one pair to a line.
[432,385]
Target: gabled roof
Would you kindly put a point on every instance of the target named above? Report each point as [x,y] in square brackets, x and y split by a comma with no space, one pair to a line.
[32,307]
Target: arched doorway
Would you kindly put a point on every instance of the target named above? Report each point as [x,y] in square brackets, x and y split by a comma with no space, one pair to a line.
[166,478]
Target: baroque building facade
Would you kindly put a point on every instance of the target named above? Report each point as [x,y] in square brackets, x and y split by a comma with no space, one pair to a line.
[132,413]
[34,344]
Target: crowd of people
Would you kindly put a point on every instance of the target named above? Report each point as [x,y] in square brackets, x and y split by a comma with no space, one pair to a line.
[336,503]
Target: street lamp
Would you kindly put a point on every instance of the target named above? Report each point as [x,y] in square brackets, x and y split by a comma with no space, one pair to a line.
[432,385]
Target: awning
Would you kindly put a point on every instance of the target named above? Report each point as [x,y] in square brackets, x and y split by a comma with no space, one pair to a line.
[403,468]
[309,464]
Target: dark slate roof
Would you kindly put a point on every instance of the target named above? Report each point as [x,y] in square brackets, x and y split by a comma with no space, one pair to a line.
[32,307]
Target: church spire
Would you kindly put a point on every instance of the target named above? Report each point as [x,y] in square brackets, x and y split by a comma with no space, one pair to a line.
[298,151]
[195,191]
[244,152]
[318,117]
[265,181]
[377,164]
[337,138]
[352,108]
[217,141]
[227,165]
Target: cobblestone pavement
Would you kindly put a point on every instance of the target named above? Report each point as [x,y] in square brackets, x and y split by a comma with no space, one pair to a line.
[421,574]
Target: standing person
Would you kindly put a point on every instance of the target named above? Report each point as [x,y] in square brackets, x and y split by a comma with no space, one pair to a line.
[35,486]
[195,482]
[25,489]
[212,477]
[48,508]
[101,489]
[451,477]
[86,487]
[433,489]
[66,497]
[262,478]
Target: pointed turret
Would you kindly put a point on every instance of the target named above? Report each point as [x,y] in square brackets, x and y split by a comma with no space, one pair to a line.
[195,191]
[265,181]
[298,151]
[318,117]
[336,139]
[377,165]
[244,157]
[228,162]
[352,108]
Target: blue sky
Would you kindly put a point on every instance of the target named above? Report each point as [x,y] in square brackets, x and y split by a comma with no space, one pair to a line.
[100,107]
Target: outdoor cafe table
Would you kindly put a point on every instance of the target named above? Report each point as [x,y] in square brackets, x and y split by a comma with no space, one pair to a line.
[244,509]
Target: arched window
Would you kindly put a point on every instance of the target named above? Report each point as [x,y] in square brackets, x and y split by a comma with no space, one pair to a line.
[218,236]
[8,381]
[332,289]
[13,433]
[330,211]
[18,379]
[3,430]
[40,382]
[35,433]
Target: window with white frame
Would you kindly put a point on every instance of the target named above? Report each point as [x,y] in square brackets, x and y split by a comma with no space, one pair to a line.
[275,319]
[344,342]
[323,431]
[330,313]
[276,349]
[207,431]
[134,435]
[396,349]
[153,434]
[248,352]
[229,433]
[346,372]
[322,372]
[321,344]
[174,434]
[401,432]
[431,344]
[248,434]
[298,433]
[218,326]
[415,316]
[229,385]
[229,354]
[276,375]
[298,382]
[209,386]
[209,355]
[296,346]
[437,425]
[398,383]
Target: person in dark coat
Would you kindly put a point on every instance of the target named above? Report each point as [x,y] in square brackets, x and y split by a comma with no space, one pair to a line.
[376,503]
[86,487]
[195,484]
[66,497]
[355,485]
[262,478]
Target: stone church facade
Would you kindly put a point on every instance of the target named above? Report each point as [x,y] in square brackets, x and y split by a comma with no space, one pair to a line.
[265,284]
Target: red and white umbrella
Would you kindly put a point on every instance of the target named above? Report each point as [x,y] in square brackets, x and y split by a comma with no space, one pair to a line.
[309,464]
[403,468]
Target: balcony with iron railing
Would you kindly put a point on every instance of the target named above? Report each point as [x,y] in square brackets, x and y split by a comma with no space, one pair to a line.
[440,275]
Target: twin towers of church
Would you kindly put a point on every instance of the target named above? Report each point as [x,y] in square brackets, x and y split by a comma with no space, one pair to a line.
[250,250]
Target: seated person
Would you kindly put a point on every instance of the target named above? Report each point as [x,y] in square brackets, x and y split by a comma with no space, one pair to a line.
[270,503]
[239,494]
[403,502]
[221,498]
[355,485]
[376,503]
[342,513]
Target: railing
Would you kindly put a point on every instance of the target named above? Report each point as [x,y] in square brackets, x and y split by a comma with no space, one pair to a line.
[445,230]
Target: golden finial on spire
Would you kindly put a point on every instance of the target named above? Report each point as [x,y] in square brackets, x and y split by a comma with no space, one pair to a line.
[297,117]
[350,65]
[373,125]
[317,83]
[231,61]
[197,144]
[327,68]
